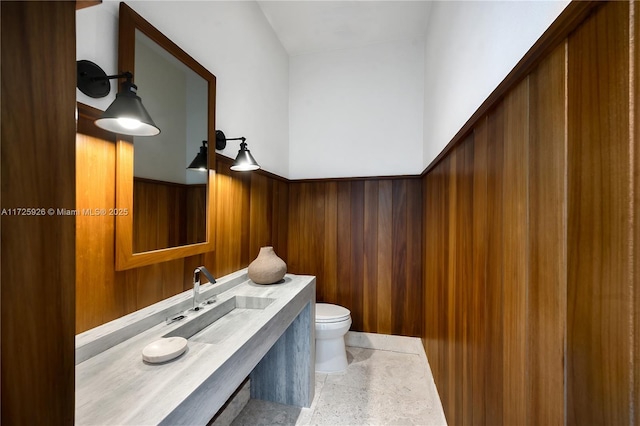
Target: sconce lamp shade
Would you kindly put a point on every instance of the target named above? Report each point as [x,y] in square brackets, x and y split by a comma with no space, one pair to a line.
[126,115]
[244,160]
[200,162]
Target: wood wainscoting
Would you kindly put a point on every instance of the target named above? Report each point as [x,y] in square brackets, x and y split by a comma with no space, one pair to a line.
[513,256]
[167,214]
[251,213]
[531,297]
[362,239]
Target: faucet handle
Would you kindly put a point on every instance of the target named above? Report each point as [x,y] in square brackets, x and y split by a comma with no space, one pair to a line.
[206,273]
[174,318]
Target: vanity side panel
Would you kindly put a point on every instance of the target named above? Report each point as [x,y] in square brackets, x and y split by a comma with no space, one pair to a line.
[286,374]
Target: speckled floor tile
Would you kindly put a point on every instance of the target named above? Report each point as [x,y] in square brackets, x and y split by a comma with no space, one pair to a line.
[384,371]
[379,388]
[258,412]
[346,405]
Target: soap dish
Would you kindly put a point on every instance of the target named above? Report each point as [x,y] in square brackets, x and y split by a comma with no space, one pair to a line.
[164,349]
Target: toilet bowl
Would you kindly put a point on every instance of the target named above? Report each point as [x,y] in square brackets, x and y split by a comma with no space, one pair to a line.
[332,323]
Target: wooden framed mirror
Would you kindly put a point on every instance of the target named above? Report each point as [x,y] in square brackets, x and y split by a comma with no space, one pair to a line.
[168,211]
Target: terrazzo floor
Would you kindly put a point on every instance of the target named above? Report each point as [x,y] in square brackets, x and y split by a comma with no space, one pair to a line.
[380,387]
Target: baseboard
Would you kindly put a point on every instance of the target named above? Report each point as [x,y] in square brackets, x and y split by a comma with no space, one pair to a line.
[384,342]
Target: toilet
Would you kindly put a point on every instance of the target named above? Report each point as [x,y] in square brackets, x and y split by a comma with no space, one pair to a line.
[332,323]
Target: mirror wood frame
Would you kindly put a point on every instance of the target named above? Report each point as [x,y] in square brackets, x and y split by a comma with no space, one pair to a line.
[129,22]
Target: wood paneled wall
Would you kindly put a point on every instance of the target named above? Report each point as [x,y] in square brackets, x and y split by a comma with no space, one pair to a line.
[601,224]
[167,214]
[514,257]
[362,240]
[251,212]
[530,292]
[38,166]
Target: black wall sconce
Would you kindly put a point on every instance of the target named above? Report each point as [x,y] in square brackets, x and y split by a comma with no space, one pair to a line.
[201,162]
[126,115]
[244,161]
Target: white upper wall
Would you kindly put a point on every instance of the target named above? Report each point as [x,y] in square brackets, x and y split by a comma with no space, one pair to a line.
[382,109]
[231,39]
[470,48]
[357,112]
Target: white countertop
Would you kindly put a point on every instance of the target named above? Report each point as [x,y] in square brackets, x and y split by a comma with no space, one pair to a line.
[115,386]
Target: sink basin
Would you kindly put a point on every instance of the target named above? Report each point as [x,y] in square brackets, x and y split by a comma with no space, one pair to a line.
[221,321]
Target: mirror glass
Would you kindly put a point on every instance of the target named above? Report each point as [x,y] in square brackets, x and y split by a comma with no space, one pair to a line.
[169,200]
[170,208]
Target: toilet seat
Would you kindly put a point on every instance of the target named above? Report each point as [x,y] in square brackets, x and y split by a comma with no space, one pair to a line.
[328,313]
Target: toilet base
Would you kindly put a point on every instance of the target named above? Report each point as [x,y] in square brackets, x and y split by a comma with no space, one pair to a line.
[331,355]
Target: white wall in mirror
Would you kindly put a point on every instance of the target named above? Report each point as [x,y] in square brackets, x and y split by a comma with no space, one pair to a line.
[176,99]
[234,41]
[196,125]
[163,94]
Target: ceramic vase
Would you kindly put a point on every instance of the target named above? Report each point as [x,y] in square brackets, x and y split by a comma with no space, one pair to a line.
[267,268]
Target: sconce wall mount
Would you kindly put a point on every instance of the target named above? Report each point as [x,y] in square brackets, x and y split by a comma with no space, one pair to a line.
[126,115]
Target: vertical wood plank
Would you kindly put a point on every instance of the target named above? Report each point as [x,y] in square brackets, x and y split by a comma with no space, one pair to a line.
[547,240]
[357,254]
[464,269]
[413,311]
[93,159]
[399,253]
[195,209]
[441,259]
[452,346]
[599,222]
[436,313]
[385,237]
[147,294]
[38,171]
[227,223]
[478,292]
[344,243]
[259,214]
[171,277]
[515,193]
[330,251]
[494,283]
[293,229]
[429,273]
[280,218]
[370,291]
[635,141]
[243,181]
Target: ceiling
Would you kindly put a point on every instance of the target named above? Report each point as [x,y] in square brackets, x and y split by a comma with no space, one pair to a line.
[308,26]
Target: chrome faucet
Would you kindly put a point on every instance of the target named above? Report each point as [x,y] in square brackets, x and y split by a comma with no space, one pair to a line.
[196,283]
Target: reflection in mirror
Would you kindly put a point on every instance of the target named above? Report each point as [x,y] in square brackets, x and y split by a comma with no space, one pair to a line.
[169,200]
[173,207]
